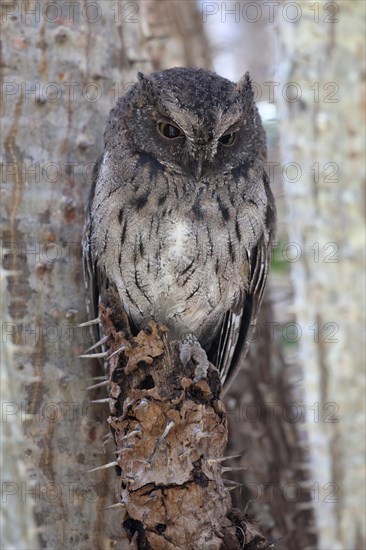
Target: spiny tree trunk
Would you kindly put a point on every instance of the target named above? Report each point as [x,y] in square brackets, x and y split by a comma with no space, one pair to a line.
[170,433]
[322,131]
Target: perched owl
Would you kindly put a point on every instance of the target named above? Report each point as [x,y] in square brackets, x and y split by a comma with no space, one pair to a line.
[180,216]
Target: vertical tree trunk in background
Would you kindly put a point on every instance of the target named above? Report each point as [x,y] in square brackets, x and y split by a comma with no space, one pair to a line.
[265,403]
[63,66]
[323,55]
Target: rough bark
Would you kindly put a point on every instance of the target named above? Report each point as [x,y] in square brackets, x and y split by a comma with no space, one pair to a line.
[170,433]
[323,132]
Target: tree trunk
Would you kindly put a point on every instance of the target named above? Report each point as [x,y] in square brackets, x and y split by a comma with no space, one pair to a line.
[322,134]
[63,66]
[265,405]
[170,433]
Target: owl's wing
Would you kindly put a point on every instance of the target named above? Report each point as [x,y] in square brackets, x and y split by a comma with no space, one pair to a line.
[93,277]
[240,320]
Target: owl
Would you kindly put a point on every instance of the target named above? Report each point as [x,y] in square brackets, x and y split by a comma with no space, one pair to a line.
[181,217]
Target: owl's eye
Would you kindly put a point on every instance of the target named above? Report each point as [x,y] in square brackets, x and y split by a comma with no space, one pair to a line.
[228,139]
[169,130]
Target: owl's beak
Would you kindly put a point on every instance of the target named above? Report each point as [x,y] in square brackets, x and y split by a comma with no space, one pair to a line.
[197,167]
[199,162]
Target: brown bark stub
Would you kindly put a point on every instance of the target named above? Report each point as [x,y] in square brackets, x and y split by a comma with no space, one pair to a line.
[170,434]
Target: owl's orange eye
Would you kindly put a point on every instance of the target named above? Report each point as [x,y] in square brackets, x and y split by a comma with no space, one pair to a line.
[169,131]
[228,139]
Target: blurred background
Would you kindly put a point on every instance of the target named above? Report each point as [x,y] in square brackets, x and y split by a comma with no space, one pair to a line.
[297,409]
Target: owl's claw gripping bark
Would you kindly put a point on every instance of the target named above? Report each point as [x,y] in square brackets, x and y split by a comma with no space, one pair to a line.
[201,370]
[190,348]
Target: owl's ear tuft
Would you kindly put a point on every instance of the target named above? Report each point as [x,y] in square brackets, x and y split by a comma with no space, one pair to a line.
[147,87]
[141,77]
[245,89]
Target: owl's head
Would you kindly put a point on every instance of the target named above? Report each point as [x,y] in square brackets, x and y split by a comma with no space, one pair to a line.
[191,121]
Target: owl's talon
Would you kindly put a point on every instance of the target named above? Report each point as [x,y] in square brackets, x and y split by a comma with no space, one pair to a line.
[190,349]
[201,371]
[185,354]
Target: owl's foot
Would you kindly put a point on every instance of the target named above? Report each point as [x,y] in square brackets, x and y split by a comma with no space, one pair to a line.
[190,349]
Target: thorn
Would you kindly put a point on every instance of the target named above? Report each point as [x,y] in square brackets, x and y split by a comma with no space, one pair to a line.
[123,450]
[231,482]
[120,451]
[160,439]
[123,347]
[114,506]
[90,323]
[94,355]
[107,438]
[166,431]
[104,467]
[99,343]
[131,434]
[99,385]
[233,469]
[221,459]
[106,400]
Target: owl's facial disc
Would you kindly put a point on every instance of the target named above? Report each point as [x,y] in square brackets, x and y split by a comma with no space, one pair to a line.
[193,122]
[197,145]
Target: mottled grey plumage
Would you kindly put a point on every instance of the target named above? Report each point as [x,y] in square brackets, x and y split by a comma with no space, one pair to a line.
[181,216]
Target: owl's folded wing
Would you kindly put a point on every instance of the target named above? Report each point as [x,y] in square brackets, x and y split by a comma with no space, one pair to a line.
[239,322]
[93,277]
